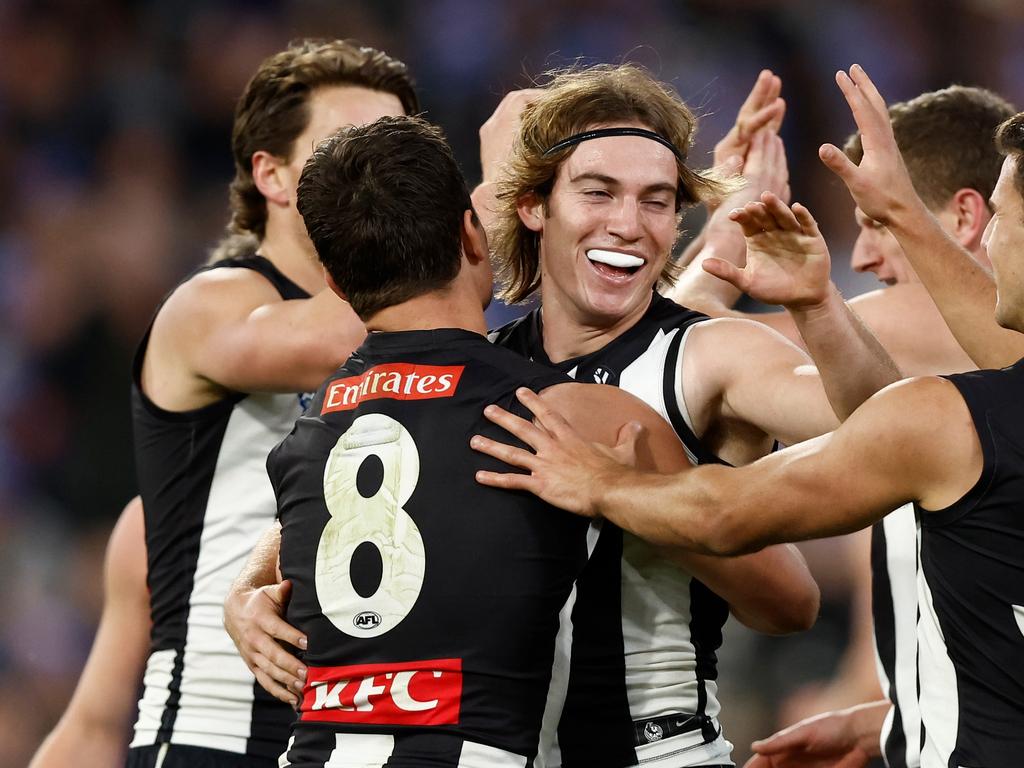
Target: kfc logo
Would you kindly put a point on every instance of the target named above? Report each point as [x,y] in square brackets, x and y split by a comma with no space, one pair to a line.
[409,693]
[396,381]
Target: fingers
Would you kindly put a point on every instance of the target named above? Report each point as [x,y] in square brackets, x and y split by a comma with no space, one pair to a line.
[723,270]
[779,213]
[275,689]
[511,455]
[279,629]
[766,90]
[515,425]
[867,87]
[806,220]
[550,420]
[763,118]
[509,482]
[837,162]
[753,219]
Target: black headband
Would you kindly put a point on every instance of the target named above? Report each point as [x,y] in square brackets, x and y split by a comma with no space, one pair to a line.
[600,133]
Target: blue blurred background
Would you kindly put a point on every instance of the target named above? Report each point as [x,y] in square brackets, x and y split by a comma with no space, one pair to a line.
[115,120]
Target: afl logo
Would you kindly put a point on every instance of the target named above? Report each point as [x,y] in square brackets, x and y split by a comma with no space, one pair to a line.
[367,620]
[653,732]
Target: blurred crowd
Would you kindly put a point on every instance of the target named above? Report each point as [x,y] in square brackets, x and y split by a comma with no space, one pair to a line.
[115,122]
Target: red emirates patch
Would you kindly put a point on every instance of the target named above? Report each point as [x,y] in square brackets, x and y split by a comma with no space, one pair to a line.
[395,381]
[407,693]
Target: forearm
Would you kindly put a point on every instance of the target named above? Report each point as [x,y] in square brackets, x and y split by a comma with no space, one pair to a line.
[699,290]
[962,289]
[260,570]
[851,362]
[84,743]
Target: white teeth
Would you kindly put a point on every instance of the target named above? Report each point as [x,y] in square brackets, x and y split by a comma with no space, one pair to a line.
[615,259]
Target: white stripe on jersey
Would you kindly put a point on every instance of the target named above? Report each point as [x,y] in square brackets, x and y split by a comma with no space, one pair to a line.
[548,752]
[901,553]
[361,750]
[156,682]
[481,756]
[660,657]
[215,708]
[940,704]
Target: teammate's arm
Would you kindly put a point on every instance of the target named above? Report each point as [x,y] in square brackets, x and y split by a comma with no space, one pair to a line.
[94,730]
[915,441]
[770,591]
[253,612]
[963,291]
[228,329]
[847,738]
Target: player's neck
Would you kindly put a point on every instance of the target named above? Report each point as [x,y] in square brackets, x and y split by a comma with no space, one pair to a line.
[293,253]
[569,333]
[437,309]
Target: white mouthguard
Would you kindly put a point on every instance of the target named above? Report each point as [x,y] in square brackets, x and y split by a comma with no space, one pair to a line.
[615,259]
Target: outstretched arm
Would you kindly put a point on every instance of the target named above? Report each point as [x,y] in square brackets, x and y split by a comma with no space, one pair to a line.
[915,441]
[253,614]
[94,730]
[963,291]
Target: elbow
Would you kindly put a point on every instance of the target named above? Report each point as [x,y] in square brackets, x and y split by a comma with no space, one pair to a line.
[724,535]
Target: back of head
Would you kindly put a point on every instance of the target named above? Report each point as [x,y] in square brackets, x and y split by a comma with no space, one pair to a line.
[946,138]
[383,204]
[274,110]
[573,101]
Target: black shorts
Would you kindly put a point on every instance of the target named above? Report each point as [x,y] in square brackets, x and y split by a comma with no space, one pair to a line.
[182,756]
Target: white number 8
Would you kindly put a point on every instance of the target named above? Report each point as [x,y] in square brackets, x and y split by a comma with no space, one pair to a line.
[371,472]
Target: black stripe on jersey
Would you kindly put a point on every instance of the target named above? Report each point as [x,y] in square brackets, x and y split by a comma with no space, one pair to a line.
[177,589]
[675,415]
[268,716]
[591,732]
[883,613]
[708,613]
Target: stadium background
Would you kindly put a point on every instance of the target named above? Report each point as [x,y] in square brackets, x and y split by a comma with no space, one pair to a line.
[114,127]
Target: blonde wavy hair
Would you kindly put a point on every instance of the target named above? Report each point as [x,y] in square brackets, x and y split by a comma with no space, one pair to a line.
[574,101]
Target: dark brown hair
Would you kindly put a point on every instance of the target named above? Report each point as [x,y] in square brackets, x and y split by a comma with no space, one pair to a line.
[383,204]
[1010,141]
[946,139]
[573,101]
[273,111]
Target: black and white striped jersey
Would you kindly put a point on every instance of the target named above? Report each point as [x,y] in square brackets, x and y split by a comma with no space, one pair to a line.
[438,611]
[670,627]
[971,593]
[207,500]
[894,569]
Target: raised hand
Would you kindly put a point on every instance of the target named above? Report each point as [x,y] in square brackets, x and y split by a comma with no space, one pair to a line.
[253,620]
[562,465]
[763,109]
[499,131]
[787,260]
[880,185]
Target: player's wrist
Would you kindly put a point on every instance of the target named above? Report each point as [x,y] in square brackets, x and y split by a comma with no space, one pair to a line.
[816,305]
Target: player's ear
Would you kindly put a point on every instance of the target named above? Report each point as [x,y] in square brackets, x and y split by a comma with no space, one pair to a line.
[972,215]
[268,176]
[474,239]
[531,211]
[333,285]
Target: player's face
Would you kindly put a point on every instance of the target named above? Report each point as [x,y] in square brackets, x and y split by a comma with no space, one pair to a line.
[617,195]
[876,250]
[1004,240]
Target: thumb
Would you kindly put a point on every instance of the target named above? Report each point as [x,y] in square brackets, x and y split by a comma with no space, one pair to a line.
[630,434]
[723,270]
[837,162]
[280,593]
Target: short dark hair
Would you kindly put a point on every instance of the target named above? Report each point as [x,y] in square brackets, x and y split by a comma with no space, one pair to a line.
[1010,141]
[946,139]
[383,204]
[273,110]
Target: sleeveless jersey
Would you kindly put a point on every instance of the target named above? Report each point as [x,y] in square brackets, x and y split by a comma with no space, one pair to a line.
[662,650]
[438,611]
[894,572]
[971,593]
[207,500]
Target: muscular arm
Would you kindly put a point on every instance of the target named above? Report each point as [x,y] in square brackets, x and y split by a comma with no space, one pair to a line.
[915,441]
[94,730]
[963,291]
[228,329]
